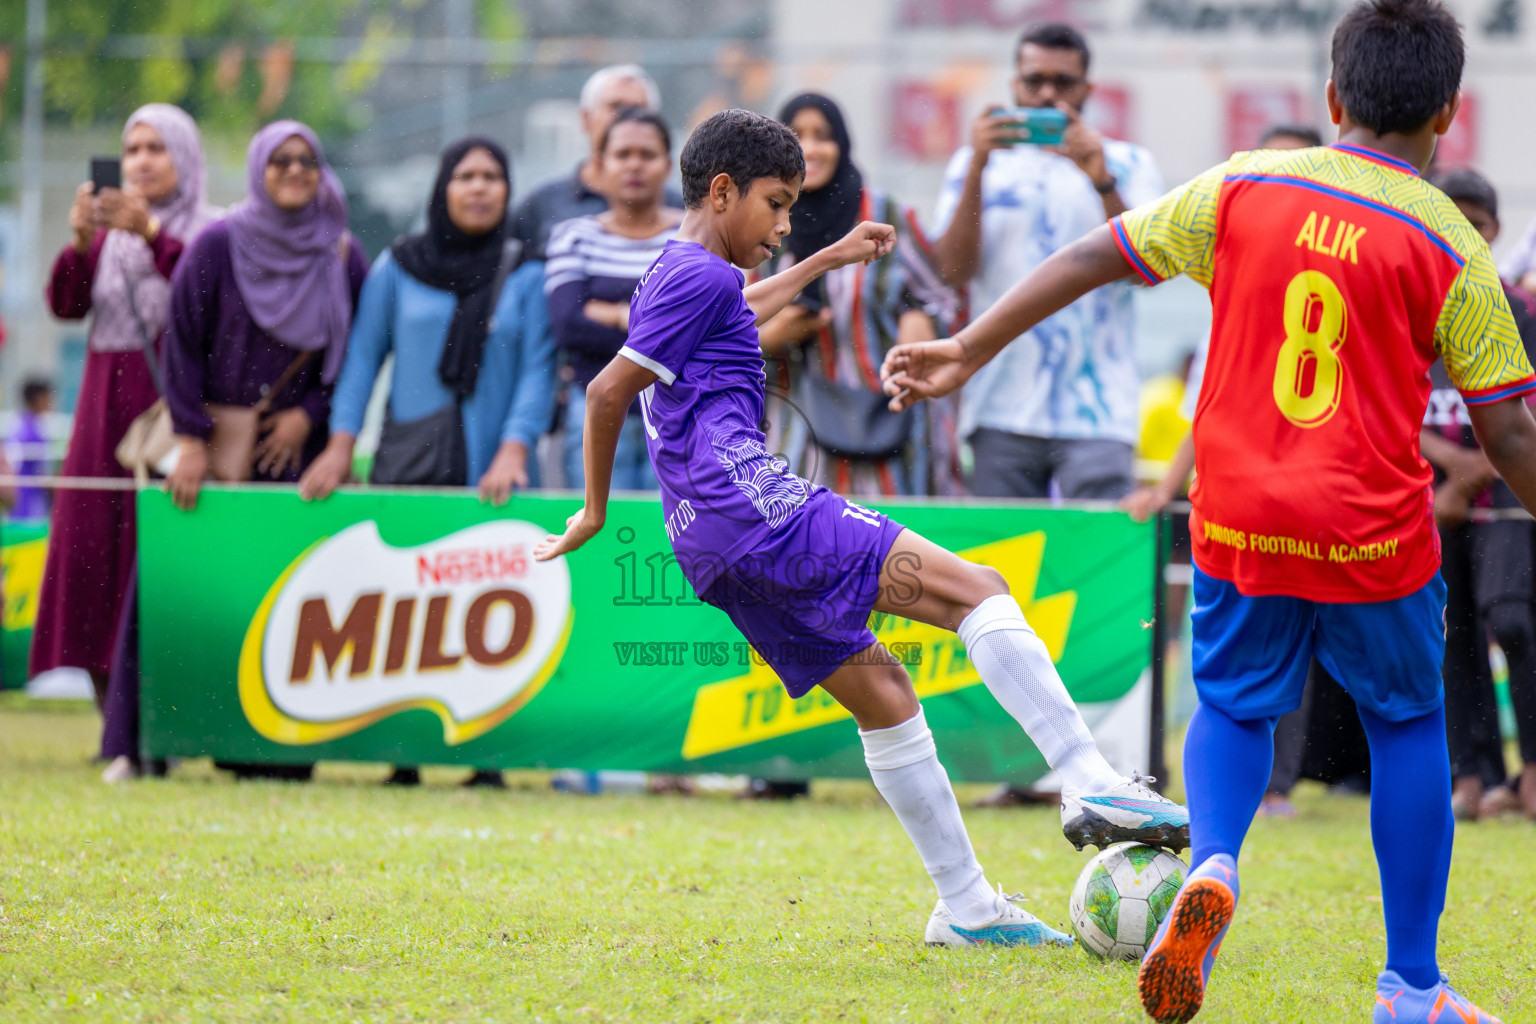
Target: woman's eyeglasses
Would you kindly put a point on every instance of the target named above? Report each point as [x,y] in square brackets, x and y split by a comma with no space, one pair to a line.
[1061,83]
[283,163]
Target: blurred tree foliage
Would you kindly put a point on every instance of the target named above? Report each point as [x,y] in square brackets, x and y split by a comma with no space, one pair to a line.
[231,63]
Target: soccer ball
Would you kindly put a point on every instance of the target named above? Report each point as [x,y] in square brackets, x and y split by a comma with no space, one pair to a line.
[1121,897]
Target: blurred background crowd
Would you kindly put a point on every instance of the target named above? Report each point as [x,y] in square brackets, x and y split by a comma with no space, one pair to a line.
[392,241]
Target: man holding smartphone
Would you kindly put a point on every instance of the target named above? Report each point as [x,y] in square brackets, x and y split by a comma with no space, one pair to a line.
[1059,404]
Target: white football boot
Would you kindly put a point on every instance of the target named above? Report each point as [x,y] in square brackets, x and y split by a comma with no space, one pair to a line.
[1128,812]
[1013,926]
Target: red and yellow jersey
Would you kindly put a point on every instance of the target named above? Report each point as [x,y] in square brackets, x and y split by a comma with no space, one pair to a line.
[1337,275]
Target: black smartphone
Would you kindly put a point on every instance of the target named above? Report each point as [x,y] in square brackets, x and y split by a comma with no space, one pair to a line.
[106,172]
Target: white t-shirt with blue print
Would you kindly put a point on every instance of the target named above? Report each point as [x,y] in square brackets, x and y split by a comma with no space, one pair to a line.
[1075,375]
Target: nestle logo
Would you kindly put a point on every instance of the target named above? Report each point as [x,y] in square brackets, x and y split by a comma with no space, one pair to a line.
[472,565]
[357,629]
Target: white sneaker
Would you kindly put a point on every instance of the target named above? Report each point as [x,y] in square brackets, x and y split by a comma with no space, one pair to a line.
[1127,812]
[1013,926]
[121,769]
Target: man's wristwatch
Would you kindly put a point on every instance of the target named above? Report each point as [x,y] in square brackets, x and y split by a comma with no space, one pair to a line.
[1109,185]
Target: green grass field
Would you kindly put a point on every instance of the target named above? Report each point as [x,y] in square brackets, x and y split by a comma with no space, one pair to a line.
[195,899]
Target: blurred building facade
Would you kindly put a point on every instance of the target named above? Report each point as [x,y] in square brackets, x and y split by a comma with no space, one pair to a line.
[1193,80]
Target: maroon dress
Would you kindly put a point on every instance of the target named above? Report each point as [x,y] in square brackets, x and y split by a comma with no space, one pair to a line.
[91,538]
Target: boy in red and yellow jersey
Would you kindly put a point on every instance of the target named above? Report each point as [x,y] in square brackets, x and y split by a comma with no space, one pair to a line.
[1337,276]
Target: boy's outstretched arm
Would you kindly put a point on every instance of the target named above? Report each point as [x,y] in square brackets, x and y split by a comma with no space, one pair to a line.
[928,369]
[1507,434]
[609,397]
[867,241]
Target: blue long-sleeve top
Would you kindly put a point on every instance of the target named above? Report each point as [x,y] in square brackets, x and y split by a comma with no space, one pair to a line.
[396,313]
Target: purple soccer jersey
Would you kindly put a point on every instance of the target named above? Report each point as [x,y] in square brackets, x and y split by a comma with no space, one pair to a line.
[795,566]
[722,490]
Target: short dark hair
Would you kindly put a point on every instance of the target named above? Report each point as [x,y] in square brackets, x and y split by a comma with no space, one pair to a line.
[742,144]
[1396,63]
[1290,131]
[35,388]
[1054,36]
[637,115]
[1465,185]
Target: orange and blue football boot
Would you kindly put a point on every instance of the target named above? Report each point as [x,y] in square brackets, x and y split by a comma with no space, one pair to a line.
[1178,964]
[1397,1002]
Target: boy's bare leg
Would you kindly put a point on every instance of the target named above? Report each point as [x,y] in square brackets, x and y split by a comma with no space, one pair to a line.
[923,581]
[874,688]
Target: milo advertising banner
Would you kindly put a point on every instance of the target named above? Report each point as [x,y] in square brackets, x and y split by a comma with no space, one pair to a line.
[416,628]
[23,550]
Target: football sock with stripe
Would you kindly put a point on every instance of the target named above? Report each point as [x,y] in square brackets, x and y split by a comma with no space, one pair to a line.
[1017,668]
[1227,764]
[1412,828]
[905,766]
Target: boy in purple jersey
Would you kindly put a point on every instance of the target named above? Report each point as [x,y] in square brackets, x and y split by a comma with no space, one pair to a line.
[798,568]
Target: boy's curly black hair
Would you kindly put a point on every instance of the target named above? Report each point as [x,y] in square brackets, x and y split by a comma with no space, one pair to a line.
[742,144]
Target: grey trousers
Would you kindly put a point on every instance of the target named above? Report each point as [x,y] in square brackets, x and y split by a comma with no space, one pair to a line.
[1019,466]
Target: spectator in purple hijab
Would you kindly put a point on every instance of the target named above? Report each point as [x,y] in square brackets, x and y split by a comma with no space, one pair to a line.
[116,269]
[263,302]
[261,305]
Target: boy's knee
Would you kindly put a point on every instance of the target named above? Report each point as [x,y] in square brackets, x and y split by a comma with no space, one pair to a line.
[897,681]
[988,582]
[895,701]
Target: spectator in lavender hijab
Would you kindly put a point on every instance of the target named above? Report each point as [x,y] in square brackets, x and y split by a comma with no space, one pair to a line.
[116,269]
[260,310]
[262,303]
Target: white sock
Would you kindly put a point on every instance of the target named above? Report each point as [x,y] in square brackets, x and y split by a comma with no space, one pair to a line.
[1017,668]
[905,766]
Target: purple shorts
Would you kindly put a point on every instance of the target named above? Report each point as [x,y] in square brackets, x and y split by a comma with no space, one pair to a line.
[803,599]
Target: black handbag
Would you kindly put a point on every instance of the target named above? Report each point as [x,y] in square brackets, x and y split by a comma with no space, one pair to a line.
[852,423]
[426,452]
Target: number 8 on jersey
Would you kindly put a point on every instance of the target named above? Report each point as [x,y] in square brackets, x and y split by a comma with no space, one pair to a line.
[1309,377]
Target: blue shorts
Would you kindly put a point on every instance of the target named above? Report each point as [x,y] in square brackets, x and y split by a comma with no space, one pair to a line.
[1251,654]
[803,599]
